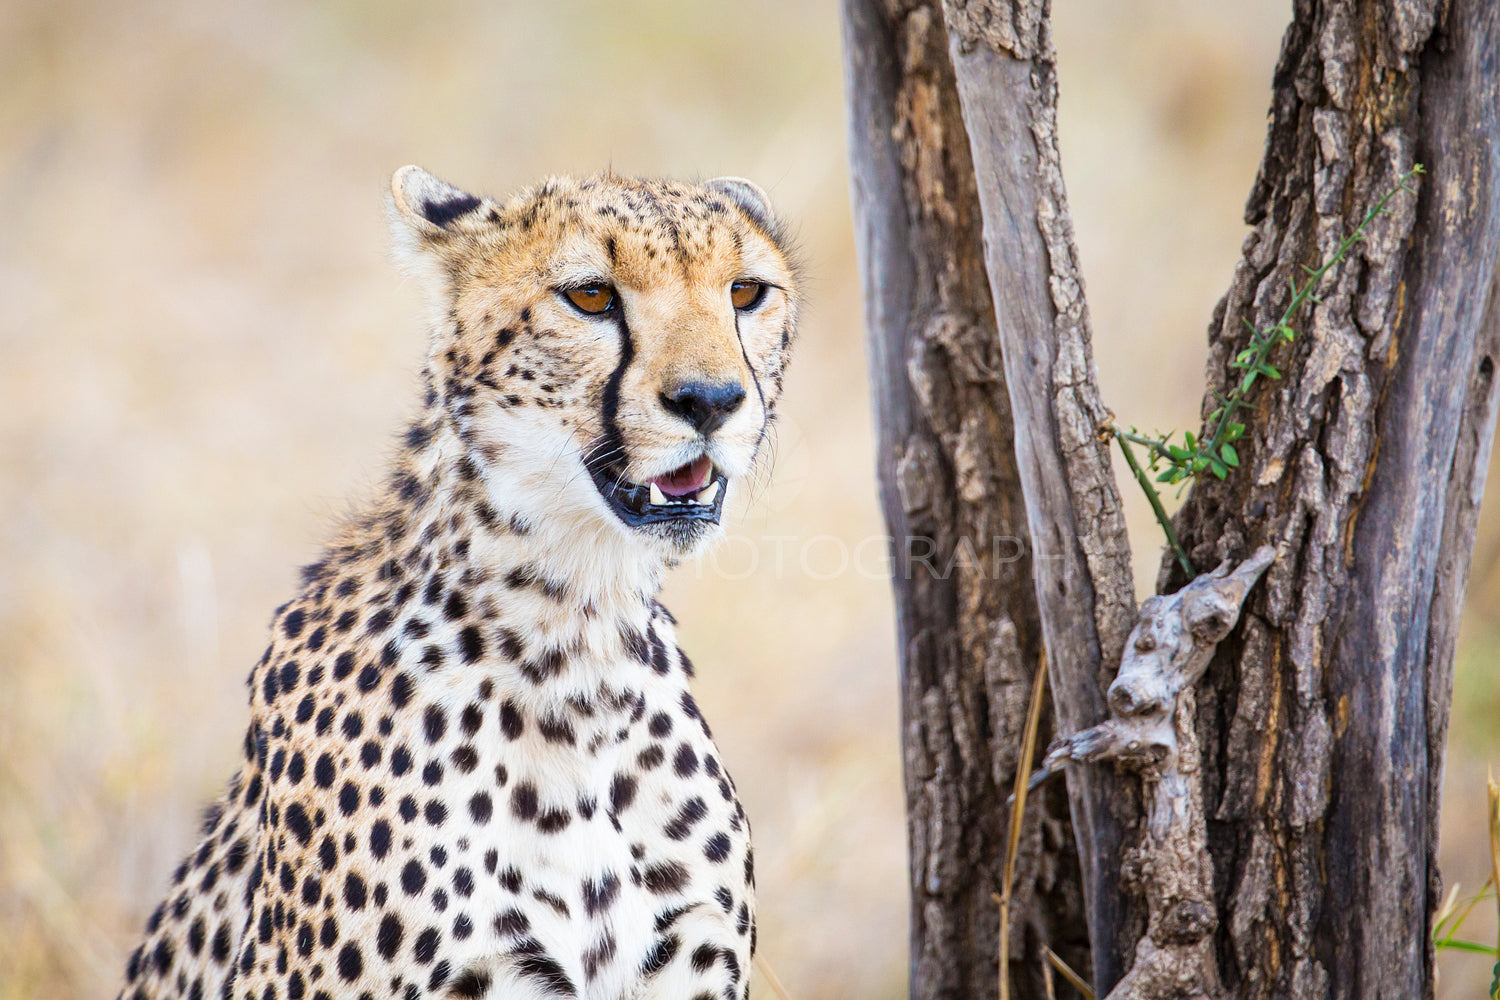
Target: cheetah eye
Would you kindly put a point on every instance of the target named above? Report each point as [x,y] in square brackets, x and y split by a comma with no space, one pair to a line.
[593,299]
[746,294]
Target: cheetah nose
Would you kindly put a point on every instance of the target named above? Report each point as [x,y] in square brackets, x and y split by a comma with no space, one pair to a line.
[705,405]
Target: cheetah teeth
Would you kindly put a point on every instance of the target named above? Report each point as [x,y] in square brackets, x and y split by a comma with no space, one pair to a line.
[706,495]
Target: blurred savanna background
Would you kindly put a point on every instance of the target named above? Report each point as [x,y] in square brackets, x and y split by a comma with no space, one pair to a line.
[205,356]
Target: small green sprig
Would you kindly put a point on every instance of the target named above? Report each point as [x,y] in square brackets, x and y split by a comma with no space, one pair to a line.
[1214,452]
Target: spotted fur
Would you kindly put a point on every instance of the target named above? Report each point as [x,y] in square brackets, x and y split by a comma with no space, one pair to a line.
[473,766]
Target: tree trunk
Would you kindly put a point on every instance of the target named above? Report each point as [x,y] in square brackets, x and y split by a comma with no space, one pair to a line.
[1323,724]
[968,624]
[1323,717]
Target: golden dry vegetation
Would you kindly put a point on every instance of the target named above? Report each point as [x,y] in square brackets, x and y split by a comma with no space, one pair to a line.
[204,352]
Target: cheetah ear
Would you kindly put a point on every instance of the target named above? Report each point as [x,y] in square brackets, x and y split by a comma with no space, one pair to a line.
[428,206]
[748,195]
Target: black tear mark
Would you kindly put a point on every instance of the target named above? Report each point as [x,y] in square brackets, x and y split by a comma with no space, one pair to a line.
[440,213]
[609,406]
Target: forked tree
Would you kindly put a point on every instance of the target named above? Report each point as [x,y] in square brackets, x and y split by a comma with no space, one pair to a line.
[1323,714]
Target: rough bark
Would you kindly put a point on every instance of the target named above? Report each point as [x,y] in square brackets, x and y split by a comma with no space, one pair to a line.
[1152,730]
[1323,725]
[1007,83]
[970,634]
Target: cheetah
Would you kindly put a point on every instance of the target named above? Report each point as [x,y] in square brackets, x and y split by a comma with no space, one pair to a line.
[473,766]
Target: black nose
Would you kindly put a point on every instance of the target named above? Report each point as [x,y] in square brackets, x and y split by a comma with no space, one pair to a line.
[705,405]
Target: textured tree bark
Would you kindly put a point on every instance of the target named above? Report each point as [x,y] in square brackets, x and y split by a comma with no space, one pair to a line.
[1323,717]
[1324,723]
[1007,83]
[970,635]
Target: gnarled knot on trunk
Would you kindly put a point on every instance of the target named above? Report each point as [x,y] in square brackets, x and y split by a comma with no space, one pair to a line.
[1167,652]
[1151,730]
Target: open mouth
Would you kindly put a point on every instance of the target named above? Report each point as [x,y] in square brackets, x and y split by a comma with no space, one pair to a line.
[693,492]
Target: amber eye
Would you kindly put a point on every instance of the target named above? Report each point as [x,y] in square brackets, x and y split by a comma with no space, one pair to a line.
[745,294]
[592,298]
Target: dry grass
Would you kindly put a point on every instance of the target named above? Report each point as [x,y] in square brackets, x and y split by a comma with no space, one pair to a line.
[206,350]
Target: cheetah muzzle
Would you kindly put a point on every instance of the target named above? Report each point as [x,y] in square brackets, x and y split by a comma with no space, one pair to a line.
[474,766]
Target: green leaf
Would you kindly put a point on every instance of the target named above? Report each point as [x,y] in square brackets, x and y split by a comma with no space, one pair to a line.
[1229,455]
[1192,442]
[1198,464]
[1166,477]
[1217,468]
[1235,432]
[1178,453]
[1483,949]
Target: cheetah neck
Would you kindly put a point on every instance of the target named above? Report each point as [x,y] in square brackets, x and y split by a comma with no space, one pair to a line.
[452,513]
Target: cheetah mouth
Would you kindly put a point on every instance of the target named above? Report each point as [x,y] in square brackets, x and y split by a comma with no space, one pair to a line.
[692,492]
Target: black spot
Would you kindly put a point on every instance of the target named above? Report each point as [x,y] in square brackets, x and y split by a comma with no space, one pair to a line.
[480,807]
[380,838]
[472,984]
[669,876]
[704,957]
[432,773]
[544,968]
[661,724]
[351,964]
[659,661]
[523,801]
[434,723]
[599,896]
[651,757]
[685,763]
[400,761]
[463,882]
[354,892]
[292,623]
[553,820]
[435,813]
[343,666]
[413,878]
[660,954]
[512,922]
[456,607]
[440,213]
[717,848]
[298,822]
[622,792]
[388,937]
[511,722]
[401,691]
[426,947]
[556,730]
[465,758]
[510,643]
[369,678]
[692,811]
[349,798]
[471,643]
[510,878]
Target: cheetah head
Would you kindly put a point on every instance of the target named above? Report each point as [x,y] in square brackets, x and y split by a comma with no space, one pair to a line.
[613,348]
